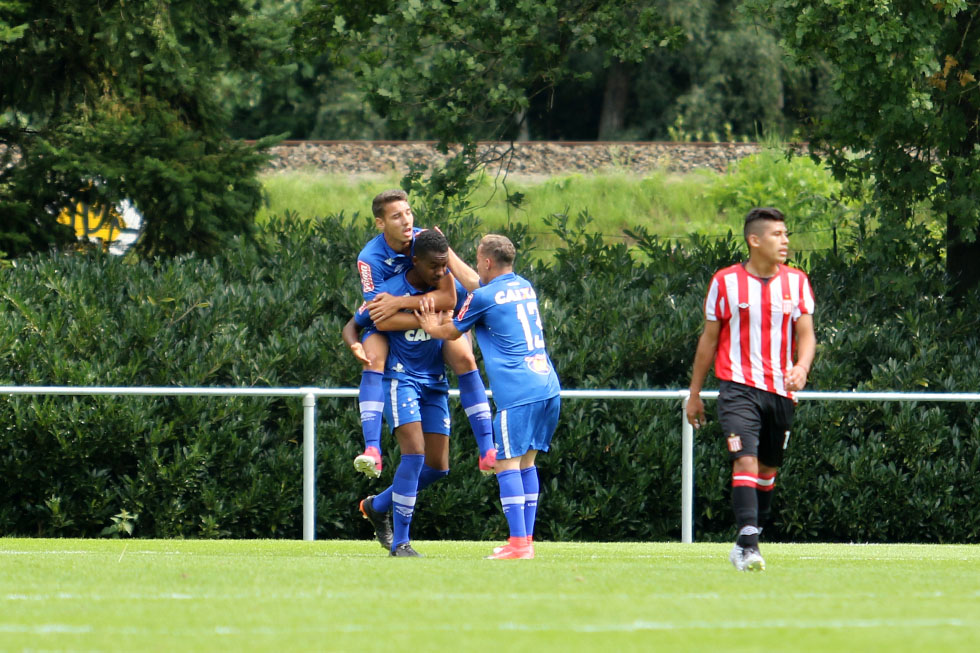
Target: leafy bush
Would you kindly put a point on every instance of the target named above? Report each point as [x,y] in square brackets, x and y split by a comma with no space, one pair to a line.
[269,313]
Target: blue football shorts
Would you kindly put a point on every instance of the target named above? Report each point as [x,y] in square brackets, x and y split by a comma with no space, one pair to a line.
[519,429]
[410,400]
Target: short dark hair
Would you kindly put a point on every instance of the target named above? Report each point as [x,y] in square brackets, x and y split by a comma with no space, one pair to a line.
[384,198]
[429,242]
[753,217]
[499,248]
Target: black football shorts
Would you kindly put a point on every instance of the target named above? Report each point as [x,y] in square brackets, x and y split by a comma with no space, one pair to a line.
[755,422]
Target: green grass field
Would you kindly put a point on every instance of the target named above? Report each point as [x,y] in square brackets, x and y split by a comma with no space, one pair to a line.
[180,595]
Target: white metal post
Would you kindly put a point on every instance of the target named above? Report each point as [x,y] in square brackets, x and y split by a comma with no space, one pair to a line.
[687,475]
[309,467]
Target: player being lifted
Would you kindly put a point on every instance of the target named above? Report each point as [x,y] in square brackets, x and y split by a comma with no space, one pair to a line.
[386,255]
[757,315]
[503,308]
[416,395]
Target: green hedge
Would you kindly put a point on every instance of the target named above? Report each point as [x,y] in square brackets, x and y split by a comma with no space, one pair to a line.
[270,313]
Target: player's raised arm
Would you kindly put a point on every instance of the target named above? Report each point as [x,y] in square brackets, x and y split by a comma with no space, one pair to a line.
[466,275]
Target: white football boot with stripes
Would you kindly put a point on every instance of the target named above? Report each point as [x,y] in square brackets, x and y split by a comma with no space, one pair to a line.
[752,559]
[737,557]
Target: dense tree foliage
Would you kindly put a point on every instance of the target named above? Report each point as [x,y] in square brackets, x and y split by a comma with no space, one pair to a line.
[906,115]
[469,70]
[118,100]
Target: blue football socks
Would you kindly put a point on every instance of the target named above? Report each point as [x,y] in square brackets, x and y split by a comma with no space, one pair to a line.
[382,501]
[403,491]
[371,402]
[473,397]
[429,475]
[512,501]
[529,476]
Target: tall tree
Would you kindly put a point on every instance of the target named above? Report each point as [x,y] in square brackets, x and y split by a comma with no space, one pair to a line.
[117,99]
[467,71]
[906,115]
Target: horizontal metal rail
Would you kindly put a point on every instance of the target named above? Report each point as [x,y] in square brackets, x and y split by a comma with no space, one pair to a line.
[310,395]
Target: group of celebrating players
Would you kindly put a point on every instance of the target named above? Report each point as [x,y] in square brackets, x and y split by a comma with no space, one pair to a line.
[421,301]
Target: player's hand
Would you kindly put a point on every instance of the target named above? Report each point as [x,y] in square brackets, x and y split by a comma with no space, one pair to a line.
[424,314]
[695,411]
[358,350]
[382,307]
[796,378]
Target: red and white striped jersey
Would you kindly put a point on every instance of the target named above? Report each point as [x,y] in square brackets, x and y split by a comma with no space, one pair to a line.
[756,341]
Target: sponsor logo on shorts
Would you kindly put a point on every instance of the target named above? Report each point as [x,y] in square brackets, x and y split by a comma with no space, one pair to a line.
[367,283]
[734,443]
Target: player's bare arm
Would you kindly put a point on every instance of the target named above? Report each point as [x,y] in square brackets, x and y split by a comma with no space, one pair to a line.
[437,324]
[402,321]
[703,358]
[350,333]
[385,306]
[806,349]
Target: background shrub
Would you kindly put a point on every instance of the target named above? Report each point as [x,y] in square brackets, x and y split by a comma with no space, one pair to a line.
[269,313]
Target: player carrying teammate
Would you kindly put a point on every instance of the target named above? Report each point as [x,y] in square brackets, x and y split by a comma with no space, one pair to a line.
[416,396]
[386,255]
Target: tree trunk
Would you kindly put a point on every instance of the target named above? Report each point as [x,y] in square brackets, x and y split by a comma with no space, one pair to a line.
[962,258]
[614,100]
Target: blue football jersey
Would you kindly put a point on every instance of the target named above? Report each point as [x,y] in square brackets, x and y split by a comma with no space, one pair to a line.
[508,329]
[413,353]
[378,262]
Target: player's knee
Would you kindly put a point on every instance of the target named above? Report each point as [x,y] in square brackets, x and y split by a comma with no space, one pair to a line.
[745,465]
[461,361]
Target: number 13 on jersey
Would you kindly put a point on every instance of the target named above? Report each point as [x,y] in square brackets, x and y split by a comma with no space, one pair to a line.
[533,331]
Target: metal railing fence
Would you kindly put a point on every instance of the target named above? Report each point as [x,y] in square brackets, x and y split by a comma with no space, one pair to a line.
[309,396]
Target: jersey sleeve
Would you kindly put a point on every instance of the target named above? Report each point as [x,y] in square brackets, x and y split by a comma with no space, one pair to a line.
[806,305]
[473,308]
[715,305]
[372,278]
[362,317]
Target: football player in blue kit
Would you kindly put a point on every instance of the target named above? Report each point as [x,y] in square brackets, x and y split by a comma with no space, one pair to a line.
[416,395]
[503,309]
[382,258]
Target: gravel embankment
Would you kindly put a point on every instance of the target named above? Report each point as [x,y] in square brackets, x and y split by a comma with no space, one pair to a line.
[529,158]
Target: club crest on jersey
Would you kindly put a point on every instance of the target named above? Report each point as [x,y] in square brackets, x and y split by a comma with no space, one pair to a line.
[787,306]
[367,282]
[734,443]
[538,364]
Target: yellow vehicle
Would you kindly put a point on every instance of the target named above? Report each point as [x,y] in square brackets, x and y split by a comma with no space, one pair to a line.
[95,223]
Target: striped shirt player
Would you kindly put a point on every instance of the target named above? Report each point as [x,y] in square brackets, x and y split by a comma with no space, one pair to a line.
[502,308]
[758,334]
[757,318]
